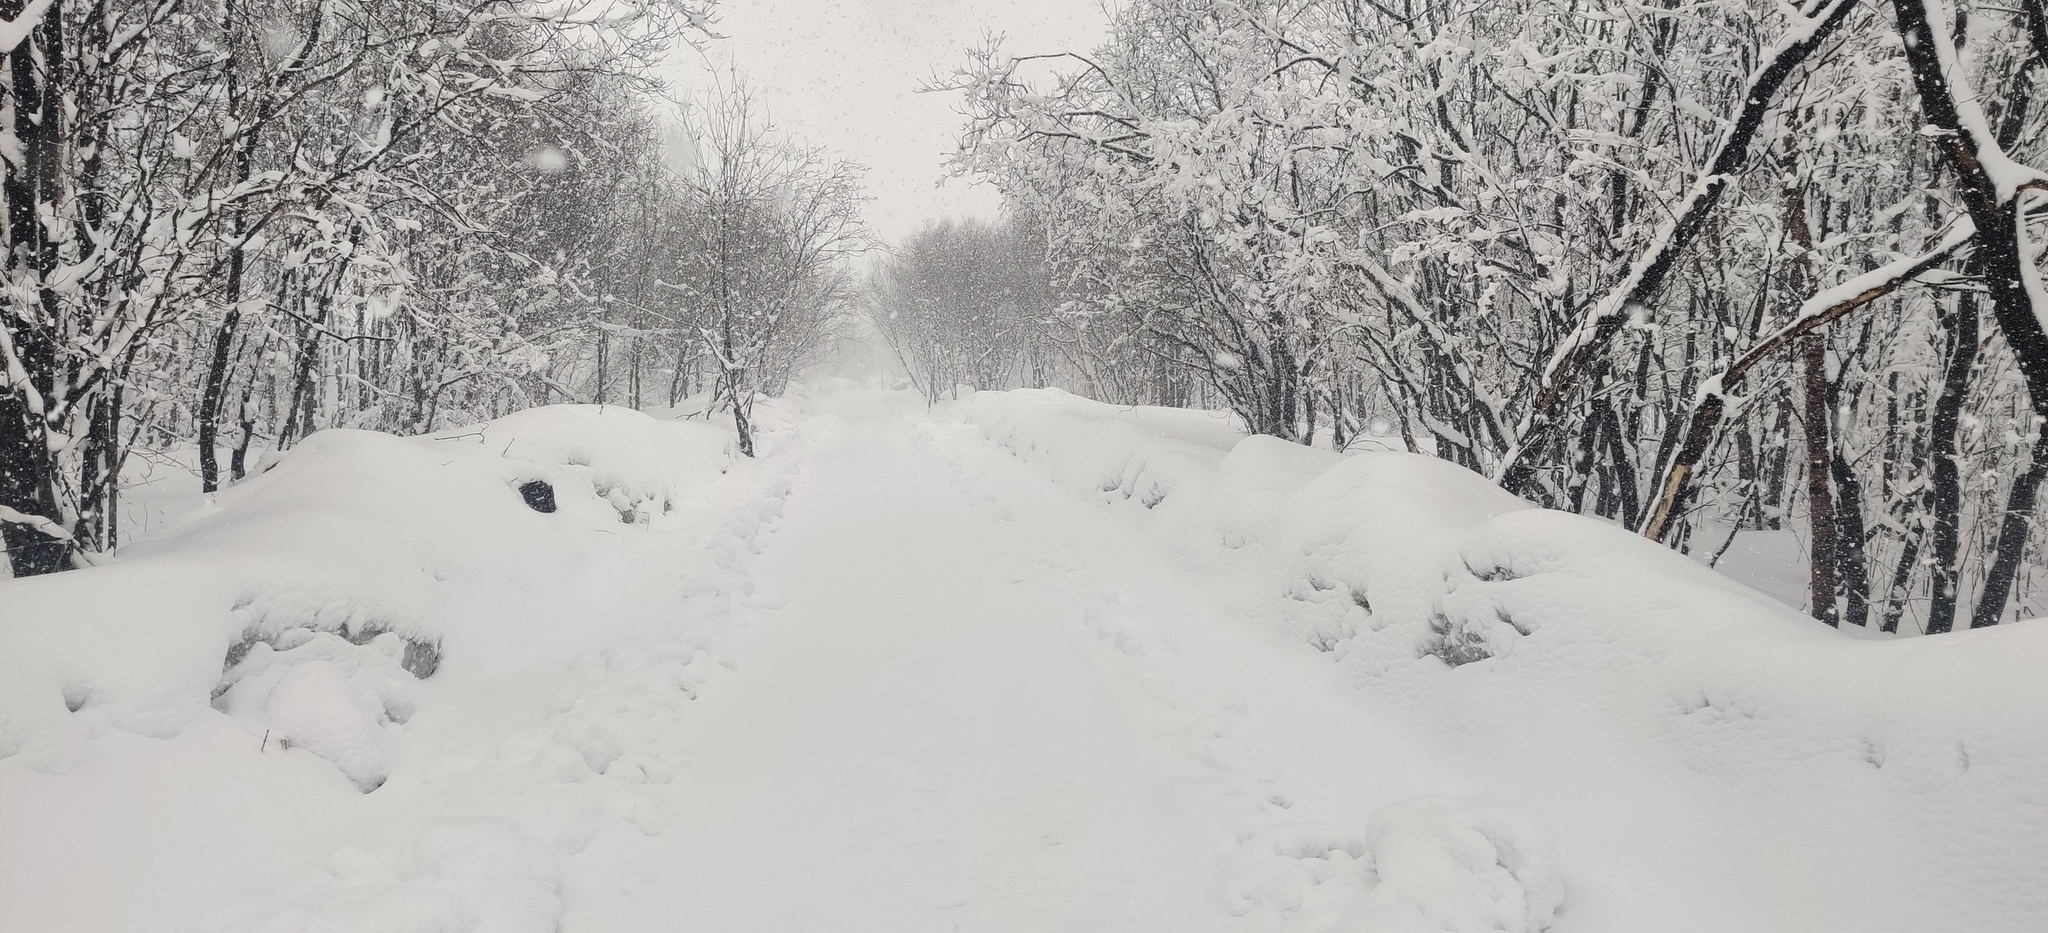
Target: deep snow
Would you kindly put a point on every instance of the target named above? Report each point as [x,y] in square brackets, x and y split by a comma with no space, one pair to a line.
[1031,663]
[1711,759]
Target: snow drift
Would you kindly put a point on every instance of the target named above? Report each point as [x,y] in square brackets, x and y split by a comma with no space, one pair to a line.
[1687,732]
[285,634]
[305,599]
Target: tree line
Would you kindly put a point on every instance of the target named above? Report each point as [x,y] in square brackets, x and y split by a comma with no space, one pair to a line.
[230,223]
[1693,267]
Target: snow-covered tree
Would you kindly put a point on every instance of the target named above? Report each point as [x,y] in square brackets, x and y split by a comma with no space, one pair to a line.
[1618,257]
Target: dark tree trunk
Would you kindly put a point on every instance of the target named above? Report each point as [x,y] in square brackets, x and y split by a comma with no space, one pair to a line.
[742,413]
[1589,437]
[27,469]
[1820,490]
[1946,490]
[238,463]
[1627,496]
[1999,256]
[1777,465]
[1746,475]
[1852,566]
[298,416]
[207,417]
[1902,577]
[2013,532]
[99,475]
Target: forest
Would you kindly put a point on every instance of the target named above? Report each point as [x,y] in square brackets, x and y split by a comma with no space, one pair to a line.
[1202,466]
[1696,268]
[231,223]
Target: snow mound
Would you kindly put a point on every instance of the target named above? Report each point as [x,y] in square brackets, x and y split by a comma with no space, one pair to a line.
[326,696]
[1457,865]
[1139,453]
[305,600]
[378,666]
[626,461]
[1596,675]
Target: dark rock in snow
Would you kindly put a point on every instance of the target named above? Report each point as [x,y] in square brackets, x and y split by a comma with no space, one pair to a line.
[538,495]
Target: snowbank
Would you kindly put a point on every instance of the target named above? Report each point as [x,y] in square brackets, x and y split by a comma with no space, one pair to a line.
[357,550]
[1131,452]
[1842,782]
[291,633]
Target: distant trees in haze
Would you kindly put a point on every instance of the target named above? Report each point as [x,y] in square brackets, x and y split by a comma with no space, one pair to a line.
[965,302]
[976,302]
[1691,267]
[768,227]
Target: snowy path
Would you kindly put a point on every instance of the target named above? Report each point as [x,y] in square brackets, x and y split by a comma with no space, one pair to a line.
[975,703]
[885,679]
[915,741]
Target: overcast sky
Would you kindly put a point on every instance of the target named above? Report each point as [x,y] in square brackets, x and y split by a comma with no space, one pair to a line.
[844,74]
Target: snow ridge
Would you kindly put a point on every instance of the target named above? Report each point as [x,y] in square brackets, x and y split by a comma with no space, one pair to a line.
[326,631]
[1692,734]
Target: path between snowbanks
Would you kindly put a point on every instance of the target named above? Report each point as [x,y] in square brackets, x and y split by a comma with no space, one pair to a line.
[890,678]
[941,698]
[914,741]
[976,705]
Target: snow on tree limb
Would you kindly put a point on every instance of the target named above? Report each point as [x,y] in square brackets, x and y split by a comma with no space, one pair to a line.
[1647,273]
[15,31]
[1710,400]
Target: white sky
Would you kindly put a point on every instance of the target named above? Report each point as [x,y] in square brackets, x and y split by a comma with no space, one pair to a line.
[843,74]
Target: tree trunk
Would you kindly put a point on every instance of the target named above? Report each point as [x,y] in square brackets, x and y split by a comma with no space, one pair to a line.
[27,468]
[207,417]
[1946,490]
[1902,577]
[2013,532]
[1957,126]
[298,416]
[742,413]
[99,474]
[215,389]
[1852,565]
[1820,498]
[238,463]
[1777,465]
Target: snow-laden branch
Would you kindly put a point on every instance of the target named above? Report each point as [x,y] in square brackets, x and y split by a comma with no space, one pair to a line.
[1646,276]
[37,522]
[14,32]
[1710,401]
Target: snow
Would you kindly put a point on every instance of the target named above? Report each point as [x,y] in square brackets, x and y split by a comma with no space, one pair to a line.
[1712,759]
[1134,452]
[14,31]
[1027,662]
[332,583]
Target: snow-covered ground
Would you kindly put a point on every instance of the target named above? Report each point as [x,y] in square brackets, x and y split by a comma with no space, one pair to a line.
[1028,663]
